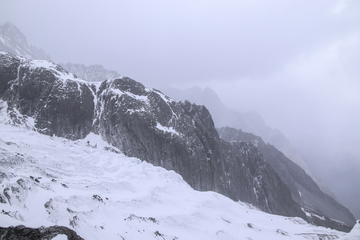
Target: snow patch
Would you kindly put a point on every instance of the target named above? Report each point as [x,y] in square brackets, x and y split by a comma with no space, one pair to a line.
[55,69]
[166,129]
[60,237]
[137,97]
[354,234]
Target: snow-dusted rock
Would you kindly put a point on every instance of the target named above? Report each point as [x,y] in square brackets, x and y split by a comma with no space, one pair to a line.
[53,232]
[60,103]
[320,208]
[181,136]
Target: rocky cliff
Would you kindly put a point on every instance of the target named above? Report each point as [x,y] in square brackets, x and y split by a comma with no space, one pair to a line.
[59,103]
[42,233]
[320,207]
[250,122]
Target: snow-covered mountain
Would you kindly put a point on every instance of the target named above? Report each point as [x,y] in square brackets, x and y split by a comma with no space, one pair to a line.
[144,123]
[84,185]
[13,41]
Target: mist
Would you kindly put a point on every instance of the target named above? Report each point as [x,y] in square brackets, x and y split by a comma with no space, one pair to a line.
[294,62]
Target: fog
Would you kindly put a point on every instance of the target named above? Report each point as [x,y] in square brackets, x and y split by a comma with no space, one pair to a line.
[297,63]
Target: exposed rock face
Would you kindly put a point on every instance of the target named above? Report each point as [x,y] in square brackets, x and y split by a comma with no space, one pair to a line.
[92,73]
[13,41]
[43,233]
[59,103]
[250,122]
[303,189]
[181,136]
[255,178]
[146,124]
[8,71]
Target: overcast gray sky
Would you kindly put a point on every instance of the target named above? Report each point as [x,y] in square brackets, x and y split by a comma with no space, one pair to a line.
[297,63]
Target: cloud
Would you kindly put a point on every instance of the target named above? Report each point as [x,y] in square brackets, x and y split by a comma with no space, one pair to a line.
[178,41]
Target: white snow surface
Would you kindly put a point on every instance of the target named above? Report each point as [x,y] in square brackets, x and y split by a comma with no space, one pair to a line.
[354,234]
[166,129]
[105,195]
[61,74]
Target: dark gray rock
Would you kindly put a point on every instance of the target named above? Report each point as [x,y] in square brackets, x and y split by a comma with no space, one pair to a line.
[303,189]
[144,123]
[8,70]
[256,181]
[43,233]
[63,107]
[250,122]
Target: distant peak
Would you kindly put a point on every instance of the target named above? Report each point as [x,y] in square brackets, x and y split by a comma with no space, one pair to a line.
[9,28]
[9,25]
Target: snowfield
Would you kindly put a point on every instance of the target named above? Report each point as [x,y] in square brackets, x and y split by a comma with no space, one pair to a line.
[91,187]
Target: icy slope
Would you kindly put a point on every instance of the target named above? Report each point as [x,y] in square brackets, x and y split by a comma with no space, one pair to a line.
[106,195]
[354,234]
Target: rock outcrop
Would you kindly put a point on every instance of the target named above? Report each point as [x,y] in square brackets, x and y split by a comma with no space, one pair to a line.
[250,122]
[42,233]
[59,103]
[321,209]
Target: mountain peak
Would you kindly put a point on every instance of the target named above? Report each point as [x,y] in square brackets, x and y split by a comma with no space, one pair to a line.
[13,41]
[10,29]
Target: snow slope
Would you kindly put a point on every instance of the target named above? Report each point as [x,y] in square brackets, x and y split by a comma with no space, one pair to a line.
[354,234]
[102,194]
